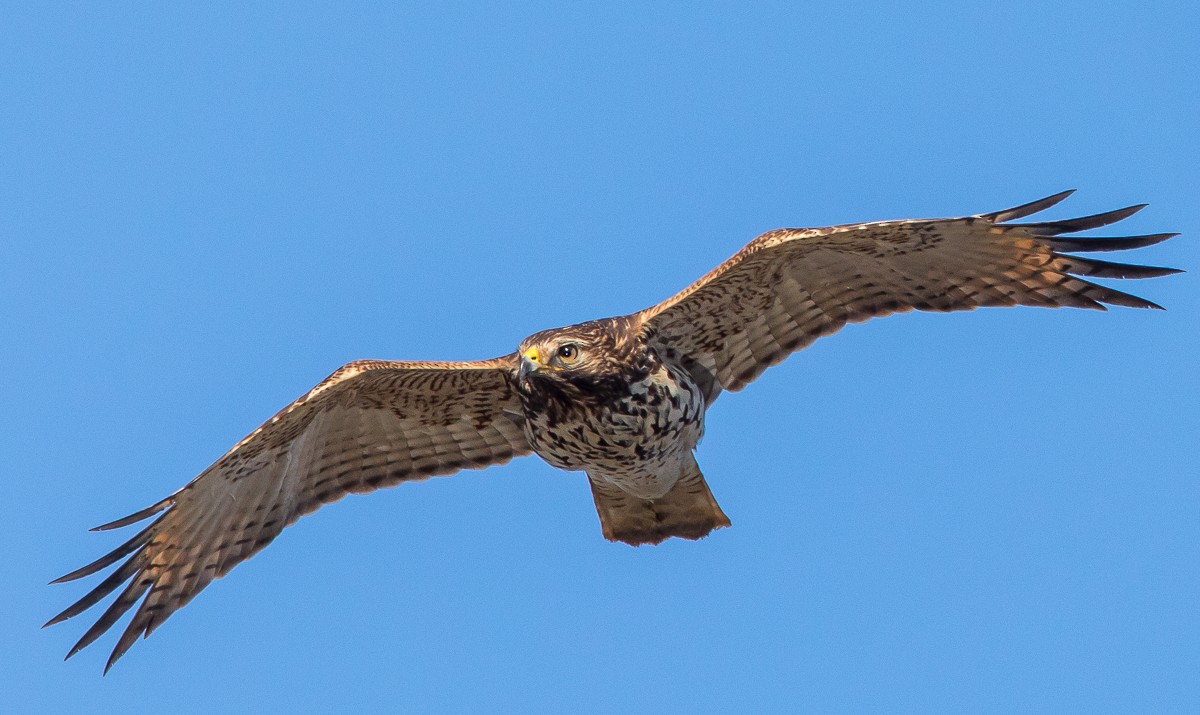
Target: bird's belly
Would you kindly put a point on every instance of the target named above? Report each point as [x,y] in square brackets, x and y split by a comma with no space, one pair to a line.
[605,448]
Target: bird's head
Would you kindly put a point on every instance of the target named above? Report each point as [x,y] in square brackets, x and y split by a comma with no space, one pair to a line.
[585,356]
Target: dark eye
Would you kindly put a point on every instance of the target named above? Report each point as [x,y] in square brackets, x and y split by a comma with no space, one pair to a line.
[568,352]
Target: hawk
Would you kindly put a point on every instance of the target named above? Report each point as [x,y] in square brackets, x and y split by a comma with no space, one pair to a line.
[621,399]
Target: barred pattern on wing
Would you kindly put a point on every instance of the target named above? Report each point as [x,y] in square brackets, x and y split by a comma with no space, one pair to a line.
[370,425]
[789,287]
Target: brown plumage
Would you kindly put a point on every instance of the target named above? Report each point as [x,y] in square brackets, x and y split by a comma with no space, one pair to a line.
[622,399]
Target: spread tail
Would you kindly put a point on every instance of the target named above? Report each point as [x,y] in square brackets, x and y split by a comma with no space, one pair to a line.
[688,511]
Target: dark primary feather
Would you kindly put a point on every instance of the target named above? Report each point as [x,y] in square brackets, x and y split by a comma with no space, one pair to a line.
[1083,223]
[1028,209]
[370,425]
[1097,243]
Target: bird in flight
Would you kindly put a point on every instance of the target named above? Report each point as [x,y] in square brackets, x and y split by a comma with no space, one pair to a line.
[621,399]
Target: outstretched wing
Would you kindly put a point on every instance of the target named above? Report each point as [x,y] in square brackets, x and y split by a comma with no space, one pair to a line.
[369,425]
[789,287]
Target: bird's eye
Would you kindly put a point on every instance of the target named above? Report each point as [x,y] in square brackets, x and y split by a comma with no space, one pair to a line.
[568,353]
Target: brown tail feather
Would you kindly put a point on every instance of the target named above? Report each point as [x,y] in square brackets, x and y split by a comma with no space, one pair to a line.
[688,511]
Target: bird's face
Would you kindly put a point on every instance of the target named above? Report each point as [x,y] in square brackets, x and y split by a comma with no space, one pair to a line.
[555,354]
[580,355]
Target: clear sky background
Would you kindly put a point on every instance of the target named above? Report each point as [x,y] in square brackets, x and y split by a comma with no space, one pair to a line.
[203,212]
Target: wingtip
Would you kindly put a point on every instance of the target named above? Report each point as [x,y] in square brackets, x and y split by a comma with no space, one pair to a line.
[1057,198]
[1026,209]
[136,516]
[67,577]
[1123,213]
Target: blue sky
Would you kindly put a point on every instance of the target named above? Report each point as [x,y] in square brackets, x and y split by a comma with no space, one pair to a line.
[206,211]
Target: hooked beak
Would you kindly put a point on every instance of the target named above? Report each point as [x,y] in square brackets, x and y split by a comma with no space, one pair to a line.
[531,361]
